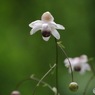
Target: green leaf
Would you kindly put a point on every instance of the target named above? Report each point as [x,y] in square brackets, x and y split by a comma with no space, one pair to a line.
[60,43]
[44,85]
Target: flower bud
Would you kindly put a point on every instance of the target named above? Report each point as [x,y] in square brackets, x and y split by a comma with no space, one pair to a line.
[73,86]
[15,93]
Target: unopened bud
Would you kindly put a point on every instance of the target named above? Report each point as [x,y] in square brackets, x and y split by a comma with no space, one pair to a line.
[73,86]
[15,93]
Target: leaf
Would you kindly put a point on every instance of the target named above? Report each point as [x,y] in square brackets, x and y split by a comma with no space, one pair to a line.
[59,43]
[32,76]
[44,85]
[90,59]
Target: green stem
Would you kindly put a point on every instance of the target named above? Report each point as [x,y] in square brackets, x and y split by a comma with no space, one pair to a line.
[56,66]
[89,79]
[42,79]
[88,84]
[92,67]
[19,83]
[68,61]
[33,78]
[41,82]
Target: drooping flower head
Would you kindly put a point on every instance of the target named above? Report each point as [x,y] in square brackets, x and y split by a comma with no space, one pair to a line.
[78,64]
[47,26]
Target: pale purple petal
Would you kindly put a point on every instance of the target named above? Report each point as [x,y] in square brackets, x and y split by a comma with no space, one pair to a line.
[87,66]
[82,71]
[75,61]
[83,59]
[67,62]
[84,67]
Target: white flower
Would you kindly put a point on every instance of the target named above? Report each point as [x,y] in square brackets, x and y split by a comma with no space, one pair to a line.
[47,26]
[94,90]
[15,93]
[78,64]
[54,90]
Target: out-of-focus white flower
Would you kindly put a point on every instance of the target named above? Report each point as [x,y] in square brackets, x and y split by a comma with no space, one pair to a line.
[54,90]
[15,93]
[47,26]
[94,90]
[78,64]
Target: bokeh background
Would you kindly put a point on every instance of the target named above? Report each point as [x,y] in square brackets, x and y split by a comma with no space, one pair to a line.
[22,55]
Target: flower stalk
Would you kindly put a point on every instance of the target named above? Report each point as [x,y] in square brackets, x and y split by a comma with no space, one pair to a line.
[61,47]
[56,65]
[85,89]
[43,78]
[36,79]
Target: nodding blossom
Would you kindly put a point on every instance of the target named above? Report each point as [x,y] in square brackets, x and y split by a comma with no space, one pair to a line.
[78,64]
[47,26]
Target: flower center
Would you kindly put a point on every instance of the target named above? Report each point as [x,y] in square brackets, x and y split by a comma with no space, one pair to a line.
[77,68]
[46,33]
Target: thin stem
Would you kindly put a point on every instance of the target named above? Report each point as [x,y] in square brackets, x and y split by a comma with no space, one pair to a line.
[41,82]
[19,83]
[89,79]
[88,84]
[33,78]
[69,62]
[56,66]
[42,79]
[93,70]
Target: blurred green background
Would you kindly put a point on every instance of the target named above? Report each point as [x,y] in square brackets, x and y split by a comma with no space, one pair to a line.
[22,54]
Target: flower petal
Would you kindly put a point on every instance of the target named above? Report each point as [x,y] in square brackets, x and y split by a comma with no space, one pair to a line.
[94,90]
[35,29]
[55,33]
[35,23]
[82,71]
[46,38]
[45,26]
[83,59]
[87,66]
[66,61]
[46,17]
[57,26]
